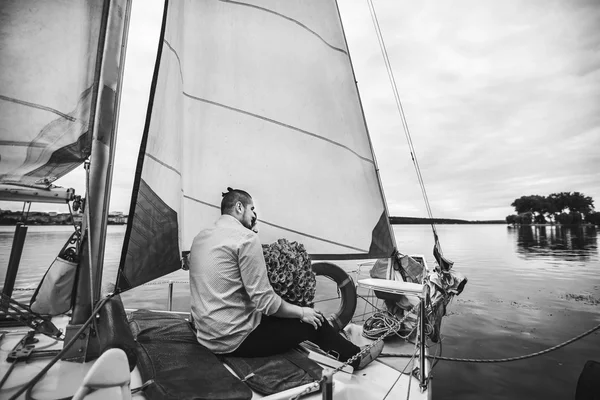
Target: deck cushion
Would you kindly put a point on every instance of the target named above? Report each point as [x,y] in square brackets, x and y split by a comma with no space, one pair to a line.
[276,373]
[181,368]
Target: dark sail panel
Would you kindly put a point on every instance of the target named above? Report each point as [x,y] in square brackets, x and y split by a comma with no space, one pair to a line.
[152,249]
[381,243]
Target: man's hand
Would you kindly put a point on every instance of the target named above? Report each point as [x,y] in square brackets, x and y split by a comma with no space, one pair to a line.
[312,316]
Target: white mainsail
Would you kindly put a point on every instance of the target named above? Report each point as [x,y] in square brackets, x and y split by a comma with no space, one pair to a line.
[259,96]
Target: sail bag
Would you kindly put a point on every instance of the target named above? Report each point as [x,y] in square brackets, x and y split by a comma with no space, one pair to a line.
[53,294]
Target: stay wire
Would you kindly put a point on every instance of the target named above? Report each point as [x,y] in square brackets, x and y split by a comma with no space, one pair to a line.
[400,109]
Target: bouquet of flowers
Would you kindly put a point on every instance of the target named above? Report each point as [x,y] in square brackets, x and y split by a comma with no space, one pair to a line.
[290,272]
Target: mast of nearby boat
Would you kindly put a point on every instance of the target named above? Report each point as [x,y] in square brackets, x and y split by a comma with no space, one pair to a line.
[13,264]
[114,28]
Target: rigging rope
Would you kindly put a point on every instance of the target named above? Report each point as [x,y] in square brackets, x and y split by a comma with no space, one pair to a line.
[400,108]
[501,360]
[398,103]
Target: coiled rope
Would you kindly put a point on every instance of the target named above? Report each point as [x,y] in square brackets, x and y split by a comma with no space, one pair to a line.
[382,322]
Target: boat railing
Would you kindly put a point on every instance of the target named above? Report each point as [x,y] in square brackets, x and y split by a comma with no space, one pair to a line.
[420,291]
[170,287]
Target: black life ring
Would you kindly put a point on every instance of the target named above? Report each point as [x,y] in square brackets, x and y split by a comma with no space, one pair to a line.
[347,290]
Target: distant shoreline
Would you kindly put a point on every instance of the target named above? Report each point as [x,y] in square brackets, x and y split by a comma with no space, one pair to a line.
[11,218]
[427,221]
[38,218]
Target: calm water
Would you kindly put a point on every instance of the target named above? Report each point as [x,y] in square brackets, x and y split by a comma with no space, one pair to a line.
[529,289]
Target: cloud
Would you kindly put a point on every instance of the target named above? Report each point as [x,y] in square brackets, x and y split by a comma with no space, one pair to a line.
[502,98]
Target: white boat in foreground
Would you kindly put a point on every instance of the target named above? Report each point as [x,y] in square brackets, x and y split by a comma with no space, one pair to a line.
[259,95]
[382,379]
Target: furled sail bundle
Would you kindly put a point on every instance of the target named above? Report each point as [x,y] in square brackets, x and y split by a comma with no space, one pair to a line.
[258,95]
[52,65]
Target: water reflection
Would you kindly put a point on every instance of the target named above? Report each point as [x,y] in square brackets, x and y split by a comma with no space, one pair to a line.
[556,241]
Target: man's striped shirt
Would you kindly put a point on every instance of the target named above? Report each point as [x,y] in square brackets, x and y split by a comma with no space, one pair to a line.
[229,285]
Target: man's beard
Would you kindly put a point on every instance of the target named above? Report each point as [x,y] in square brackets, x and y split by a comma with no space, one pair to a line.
[250,225]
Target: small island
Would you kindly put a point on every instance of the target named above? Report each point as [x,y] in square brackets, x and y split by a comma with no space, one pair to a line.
[564,208]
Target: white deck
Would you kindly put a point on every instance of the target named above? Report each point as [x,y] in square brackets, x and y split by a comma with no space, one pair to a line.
[380,380]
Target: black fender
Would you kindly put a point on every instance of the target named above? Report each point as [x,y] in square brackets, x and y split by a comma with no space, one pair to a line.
[347,290]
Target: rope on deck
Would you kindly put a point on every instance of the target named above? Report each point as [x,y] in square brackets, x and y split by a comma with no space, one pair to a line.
[380,323]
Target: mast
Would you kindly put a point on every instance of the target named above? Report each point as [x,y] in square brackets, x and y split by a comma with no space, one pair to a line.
[108,81]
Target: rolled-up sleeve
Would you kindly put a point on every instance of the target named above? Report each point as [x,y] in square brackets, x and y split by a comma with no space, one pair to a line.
[254,275]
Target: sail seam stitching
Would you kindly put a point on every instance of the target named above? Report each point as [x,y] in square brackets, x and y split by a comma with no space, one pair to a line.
[163,163]
[256,115]
[148,213]
[260,116]
[283,228]
[38,106]
[177,56]
[280,124]
[289,19]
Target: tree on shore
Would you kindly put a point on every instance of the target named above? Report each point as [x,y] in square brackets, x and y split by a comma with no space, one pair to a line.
[593,218]
[563,208]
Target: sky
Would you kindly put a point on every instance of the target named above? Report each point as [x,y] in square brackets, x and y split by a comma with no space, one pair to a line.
[502,99]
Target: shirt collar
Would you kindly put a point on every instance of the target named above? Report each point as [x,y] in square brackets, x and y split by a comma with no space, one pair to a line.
[228,220]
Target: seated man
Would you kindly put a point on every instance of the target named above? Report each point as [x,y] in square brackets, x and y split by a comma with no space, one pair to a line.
[234,307]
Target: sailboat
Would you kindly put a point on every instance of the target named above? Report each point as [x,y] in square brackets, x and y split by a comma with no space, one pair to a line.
[259,95]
